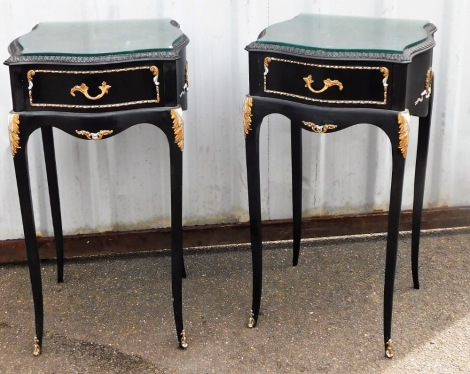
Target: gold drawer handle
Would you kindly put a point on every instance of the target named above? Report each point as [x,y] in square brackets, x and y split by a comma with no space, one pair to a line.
[319,129]
[94,135]
[83,88]
[327,84]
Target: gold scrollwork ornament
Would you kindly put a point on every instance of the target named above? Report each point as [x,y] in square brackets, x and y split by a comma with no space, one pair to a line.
[30,76]
[267,61]
[14,131]
[178,127]
[385,72]
[94,135]
[327,83]
[155,73]
[247,105]
[404,119]
[427,87]
[319,129]
[83,88]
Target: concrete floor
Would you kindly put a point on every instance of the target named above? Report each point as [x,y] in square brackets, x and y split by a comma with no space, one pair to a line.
[113,315]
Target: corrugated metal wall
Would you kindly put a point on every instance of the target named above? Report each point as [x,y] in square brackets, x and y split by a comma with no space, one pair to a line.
[122,183]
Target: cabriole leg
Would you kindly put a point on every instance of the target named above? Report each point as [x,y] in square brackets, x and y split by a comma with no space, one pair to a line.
[420,176]
[26,205]
[392,246]
[296,150]
[51,170]
[177,265]
[252,128]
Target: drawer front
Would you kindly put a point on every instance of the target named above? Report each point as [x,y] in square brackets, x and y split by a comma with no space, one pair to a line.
[94,89]
[329,84]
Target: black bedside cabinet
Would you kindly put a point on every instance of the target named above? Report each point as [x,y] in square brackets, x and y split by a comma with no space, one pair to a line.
[93,80]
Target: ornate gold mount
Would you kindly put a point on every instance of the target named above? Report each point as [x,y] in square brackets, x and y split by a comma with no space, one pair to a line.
[36,347]
[30,74]
[267,61]
[403,131]
[14,130]
[251,320]
[327,83]
[178,127]
[427,87]
[94,135]
[319,129]
[389,349]
[183,340]
[155,73]
[83,88]
[385,72]
[247,105]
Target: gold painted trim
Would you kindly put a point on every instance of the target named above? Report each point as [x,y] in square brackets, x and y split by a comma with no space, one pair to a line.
[327,83]
[83,88]
[94,135]
[427,87]
[155,72]
[14,131]
[267,61]
[30,74]
[428,81]
[247,106]
[153,69]
[178,127]
[403,131]
[319,129]
[385,72]
[102,106]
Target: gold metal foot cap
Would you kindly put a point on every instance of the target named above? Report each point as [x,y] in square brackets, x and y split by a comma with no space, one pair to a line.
[37,347]
[183,340]
[389,349]
[251,320]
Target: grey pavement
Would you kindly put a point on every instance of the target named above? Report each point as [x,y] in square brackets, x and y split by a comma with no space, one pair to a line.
[114,315]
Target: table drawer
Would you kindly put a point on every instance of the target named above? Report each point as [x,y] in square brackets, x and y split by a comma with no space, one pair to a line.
[93,89]
[327,83]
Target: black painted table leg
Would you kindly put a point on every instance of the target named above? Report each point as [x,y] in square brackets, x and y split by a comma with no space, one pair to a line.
[254,201]
[420,176]
[177,265]
[27,215]
[296,150]
[392,245]
[51,170]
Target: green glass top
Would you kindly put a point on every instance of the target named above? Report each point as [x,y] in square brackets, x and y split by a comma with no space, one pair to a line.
[341,33]
[97,38]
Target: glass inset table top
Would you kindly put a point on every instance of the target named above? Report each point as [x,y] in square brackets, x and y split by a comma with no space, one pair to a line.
[97,38]
[343,33]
